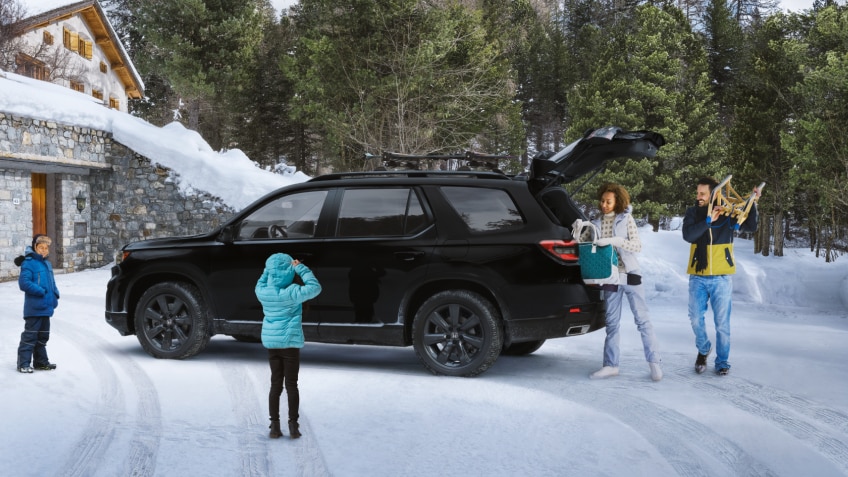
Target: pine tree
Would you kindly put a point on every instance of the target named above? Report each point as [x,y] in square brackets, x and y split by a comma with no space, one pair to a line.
[204,50]
[652,74]
[816,143]
[401,76]
[724,45]
[764,109]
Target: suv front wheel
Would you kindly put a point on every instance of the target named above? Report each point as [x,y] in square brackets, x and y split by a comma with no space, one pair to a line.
[170,321]
[457,333]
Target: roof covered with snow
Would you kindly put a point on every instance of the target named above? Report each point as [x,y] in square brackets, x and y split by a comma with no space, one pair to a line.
[230,175]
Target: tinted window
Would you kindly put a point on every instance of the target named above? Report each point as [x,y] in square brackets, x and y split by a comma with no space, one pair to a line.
[380,212]
[294,215]
[484,210]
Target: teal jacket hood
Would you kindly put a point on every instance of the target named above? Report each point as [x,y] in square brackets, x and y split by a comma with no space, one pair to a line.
[280,270]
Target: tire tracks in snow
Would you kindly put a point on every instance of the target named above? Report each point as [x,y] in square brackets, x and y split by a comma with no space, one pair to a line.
[822,428]
[698,455]
[90,451]
[255,448]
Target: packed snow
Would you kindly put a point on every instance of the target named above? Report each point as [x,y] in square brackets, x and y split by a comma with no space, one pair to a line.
[110,409]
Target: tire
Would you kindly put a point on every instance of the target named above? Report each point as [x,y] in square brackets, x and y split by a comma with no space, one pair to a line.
[170,321]
[522,349]
[457,333]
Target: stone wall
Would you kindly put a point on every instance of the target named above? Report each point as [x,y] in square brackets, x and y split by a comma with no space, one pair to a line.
[137,200]
[128,198]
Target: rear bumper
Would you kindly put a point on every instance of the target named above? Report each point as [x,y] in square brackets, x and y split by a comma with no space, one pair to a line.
[573,321]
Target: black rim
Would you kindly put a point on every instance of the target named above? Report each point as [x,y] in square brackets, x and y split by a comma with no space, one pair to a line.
[453,336]
[167,322]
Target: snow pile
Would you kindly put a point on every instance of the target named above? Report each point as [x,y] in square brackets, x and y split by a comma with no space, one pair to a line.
[230,175]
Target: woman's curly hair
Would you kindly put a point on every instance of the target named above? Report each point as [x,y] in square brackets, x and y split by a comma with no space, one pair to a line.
[622,198]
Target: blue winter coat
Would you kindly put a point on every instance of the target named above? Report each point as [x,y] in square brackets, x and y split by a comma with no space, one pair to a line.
[38,284]
[281,301]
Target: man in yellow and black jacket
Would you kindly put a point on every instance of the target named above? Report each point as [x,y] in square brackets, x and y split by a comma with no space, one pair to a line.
[710,267]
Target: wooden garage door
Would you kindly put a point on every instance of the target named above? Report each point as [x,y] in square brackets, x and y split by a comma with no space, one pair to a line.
[39,204]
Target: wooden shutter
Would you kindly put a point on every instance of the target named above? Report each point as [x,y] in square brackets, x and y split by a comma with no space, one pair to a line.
[75,41]
[39,203]
[87,49]
[66,38]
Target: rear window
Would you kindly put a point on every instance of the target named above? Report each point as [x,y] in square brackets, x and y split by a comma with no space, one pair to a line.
[483,209]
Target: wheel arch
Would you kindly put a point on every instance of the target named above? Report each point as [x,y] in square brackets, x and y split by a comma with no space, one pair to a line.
[413,301]
[142,283]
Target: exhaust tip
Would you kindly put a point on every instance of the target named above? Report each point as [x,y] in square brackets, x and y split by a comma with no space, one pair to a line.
[577,330]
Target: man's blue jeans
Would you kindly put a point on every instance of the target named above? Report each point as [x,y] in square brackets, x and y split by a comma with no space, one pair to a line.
[715,291]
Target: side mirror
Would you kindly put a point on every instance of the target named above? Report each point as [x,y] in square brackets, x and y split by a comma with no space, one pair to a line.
[228,234]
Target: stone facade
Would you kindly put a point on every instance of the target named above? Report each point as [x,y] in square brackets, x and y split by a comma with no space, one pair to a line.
[128,197]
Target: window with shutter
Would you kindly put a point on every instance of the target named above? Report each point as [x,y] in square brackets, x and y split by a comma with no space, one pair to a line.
[77,86]
[87,49]
[48,38]
[114,103]
[103,68]
[66,38]
[97,93]
[75,43]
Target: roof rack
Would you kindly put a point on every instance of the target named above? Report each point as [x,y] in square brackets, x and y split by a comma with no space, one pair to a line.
[464,162]
[409,173]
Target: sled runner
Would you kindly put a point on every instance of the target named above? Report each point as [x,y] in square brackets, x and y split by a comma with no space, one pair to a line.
[731,202]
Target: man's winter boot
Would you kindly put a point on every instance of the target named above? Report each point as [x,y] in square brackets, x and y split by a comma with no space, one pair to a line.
[294,430]
[275,429]
[701,362]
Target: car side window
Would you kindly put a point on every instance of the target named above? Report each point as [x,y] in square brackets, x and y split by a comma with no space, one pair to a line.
[291,216]
[380,212]
[483,209]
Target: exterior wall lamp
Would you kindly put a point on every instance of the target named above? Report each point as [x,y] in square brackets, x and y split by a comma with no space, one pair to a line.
[80,201]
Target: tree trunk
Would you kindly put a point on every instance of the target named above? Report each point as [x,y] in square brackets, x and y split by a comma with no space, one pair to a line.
[762,239]
[193,114]
[778,234]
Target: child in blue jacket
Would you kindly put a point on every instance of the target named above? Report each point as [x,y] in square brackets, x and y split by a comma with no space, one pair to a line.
[41,298]
[282,331]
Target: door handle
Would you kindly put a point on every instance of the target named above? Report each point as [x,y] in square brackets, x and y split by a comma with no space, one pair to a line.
[408,256]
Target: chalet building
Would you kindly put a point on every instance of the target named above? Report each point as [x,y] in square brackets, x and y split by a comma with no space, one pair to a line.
[90,193]
[73,44]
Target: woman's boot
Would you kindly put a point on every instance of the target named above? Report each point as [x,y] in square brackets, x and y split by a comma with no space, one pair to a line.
[275,429]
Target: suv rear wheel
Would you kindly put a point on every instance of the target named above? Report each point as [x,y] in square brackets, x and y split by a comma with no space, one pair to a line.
[457,333]
[170,321]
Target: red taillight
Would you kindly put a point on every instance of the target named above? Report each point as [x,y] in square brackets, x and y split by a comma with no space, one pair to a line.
[574,309]
[565,251]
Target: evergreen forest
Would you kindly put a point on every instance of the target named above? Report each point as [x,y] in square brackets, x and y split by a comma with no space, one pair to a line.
[736,87]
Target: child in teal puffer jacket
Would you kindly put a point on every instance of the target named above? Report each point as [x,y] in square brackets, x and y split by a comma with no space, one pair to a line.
[282,331]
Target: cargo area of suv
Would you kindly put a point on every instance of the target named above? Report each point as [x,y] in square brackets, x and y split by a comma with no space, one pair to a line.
[462,266]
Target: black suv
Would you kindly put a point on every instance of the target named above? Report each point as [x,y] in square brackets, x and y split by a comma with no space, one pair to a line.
[463,266]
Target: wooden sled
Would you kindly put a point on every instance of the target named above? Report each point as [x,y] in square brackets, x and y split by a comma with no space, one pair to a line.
[731,203]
